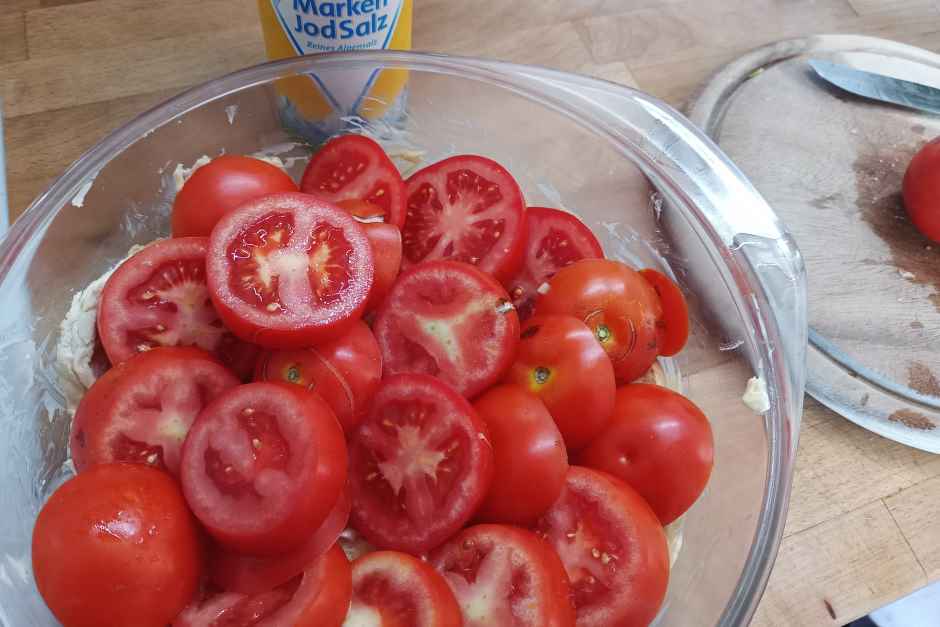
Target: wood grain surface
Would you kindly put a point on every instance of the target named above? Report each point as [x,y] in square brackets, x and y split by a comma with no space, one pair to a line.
[862,527]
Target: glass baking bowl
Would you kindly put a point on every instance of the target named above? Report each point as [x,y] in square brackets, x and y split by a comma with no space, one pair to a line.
[655,190]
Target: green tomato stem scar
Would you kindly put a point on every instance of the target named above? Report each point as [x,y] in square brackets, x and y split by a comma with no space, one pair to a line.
[602,331]
[293,374]
[542,374]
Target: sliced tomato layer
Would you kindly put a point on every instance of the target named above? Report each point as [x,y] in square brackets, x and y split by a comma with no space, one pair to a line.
[465,208]
[354,167]
[554,239]
[141,410]
[449,320]
[673,325]
[263,466]
[420,465]
[288,270]
[392,588]
[504,575]
[159,297]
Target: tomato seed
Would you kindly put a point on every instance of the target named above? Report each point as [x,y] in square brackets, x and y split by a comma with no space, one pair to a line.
[595,553]
[248,411]
[256,444]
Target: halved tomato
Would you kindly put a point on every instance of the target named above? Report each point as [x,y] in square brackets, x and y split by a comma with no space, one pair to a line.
[354,167]
[141,410]
[673,326]
[419,466]
[344,371]
[159,297]
[263,466]
[465,208]
[386,250]
[504,575]
[450,320]
[392,589]
[248,574]
[319,597]
[613,549]
[554,239]
[289,270]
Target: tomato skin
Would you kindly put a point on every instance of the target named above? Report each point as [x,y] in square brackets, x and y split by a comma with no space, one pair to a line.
[504,553]
[442,202]
[554,239]
[247,574]
[392,588]
[355,168]
[116,546]
[219,187]
[386,250]
[300,450]
[420,465]
[450,320]
[529,456]
[613,548]
[561,362]
[241,271]
[673,326]
[319,597]
[921,190]
[344,371]
[660,443]
[141,410]
[619,306]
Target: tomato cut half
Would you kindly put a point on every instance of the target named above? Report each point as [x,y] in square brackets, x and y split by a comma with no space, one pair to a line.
[504,575]
[673,326]
[465,208]
[354,167]
[344,371]
[159,297]
[613,549]
[263,466]
[392,589]
[450,320]
[141,410]
[248,574]
[420,465]
[386,250]
[289,270]
[319,597]
[554,239]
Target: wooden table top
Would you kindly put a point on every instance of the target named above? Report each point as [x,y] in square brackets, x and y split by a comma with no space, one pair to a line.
[862,527]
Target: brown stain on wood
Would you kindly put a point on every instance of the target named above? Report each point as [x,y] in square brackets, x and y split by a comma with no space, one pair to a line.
[912,419]
[917,324]
[830,609]
[921,379]
[878,176]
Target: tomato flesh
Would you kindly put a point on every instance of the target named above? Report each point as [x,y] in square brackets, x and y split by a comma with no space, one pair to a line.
[920,189]
[673,326]
[263,466]
[465,208]
[420,465]
[288,270]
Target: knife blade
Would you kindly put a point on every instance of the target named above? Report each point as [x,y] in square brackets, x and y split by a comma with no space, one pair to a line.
[878,86]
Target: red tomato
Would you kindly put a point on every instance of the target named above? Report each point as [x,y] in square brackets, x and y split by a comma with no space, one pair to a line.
[353,167]
[419,466]
[386,250]
[116,546]
[560,362]
[247,574]
[288,270]
[344,371]
[466,208]
[449,320]
[921,190]
[505,575]
[317,598]
[159,297]
[529,456]
[141,410]
[613,548]
[220,186]
[673,326]
[554,239]
[263,466]
[619,306]
[392,589]
[660,443]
